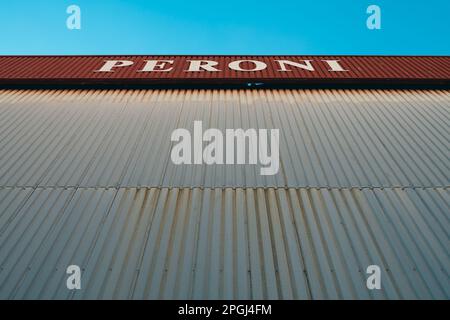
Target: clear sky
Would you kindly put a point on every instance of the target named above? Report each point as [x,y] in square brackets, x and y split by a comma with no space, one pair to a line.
[408,27]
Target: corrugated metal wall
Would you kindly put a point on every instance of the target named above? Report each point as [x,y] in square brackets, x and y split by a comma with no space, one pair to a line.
[85,179]
[328,138]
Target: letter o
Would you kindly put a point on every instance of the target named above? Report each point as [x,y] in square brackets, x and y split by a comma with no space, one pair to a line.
[236,65]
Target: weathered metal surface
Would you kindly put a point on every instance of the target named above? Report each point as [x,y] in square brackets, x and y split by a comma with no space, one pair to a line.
[79,70]
[224,243]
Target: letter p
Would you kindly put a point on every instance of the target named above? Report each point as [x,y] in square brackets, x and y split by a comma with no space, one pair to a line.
[110,64]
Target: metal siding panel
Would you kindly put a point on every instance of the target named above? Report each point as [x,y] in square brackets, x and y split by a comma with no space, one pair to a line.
[81,70]
[161,243]
[329,138]
[364,180]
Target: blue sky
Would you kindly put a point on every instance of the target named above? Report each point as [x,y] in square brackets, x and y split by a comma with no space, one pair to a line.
[409,27]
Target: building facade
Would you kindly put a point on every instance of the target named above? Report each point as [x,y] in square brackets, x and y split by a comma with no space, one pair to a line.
[87,178]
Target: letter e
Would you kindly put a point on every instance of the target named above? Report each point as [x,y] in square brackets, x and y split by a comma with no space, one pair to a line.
[74,20]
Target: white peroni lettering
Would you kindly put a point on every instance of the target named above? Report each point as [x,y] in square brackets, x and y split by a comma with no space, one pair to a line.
[197,310]
[112,64]
[202,66]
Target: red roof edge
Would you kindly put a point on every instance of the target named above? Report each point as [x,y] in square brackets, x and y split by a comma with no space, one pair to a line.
[226,71]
